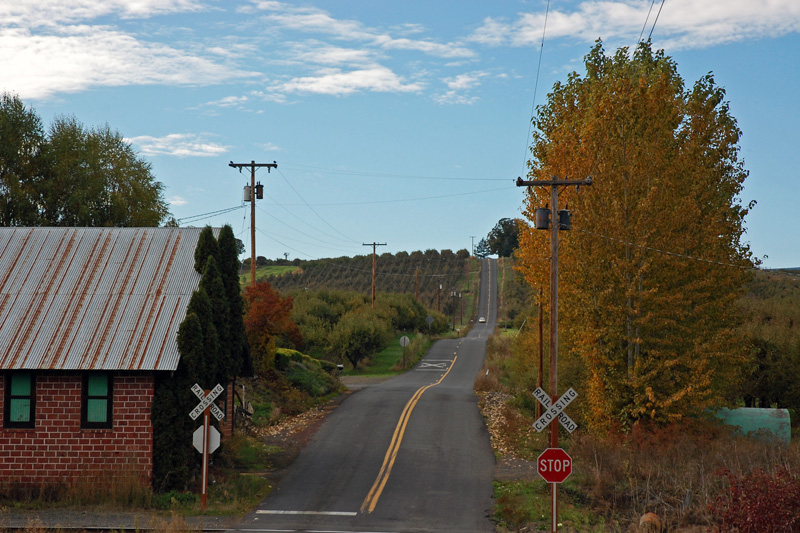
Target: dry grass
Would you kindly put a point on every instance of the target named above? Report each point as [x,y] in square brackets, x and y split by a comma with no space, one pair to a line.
[675,472]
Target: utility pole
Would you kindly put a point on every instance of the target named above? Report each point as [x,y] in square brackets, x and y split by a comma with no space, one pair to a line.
[374,244]
[454,293]
[541,353]
[555,223]
[473,244]
[255,191]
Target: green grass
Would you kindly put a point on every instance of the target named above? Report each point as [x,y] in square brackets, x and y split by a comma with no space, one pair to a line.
[523,503]
[388,362]
[264,272]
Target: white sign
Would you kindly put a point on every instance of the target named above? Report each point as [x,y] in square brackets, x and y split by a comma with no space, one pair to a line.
[555,410]
[207,401]
[213,439]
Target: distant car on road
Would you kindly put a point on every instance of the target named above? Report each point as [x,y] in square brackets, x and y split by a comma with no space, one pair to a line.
[482,319]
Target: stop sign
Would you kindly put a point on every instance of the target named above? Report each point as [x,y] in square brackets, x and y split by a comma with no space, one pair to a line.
[554,465]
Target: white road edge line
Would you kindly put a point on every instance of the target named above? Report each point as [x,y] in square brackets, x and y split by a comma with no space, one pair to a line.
[314,513]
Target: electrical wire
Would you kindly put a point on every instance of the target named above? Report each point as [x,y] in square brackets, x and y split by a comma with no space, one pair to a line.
[405,200]
[298,166]
[655,21]
[313,210]
[203,216]
[330,245]
[535,88]
[652,3]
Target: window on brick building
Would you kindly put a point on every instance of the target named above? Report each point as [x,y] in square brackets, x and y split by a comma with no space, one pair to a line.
[20,400]
[96,405]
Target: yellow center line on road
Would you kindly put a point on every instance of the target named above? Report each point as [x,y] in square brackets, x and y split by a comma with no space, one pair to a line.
[391,454]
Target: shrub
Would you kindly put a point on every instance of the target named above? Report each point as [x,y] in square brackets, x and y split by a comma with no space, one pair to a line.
[759,501]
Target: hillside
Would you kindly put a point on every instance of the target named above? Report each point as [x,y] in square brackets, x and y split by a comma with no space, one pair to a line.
[431,275]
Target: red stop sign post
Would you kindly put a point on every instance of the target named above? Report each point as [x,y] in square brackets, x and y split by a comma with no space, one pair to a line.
[554,465]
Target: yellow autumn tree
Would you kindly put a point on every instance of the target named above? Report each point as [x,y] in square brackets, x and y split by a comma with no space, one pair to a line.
[655,260]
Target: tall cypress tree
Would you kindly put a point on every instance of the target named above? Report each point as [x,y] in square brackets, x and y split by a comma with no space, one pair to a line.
[173,458]
[206,246]
[211,284]
[229,271]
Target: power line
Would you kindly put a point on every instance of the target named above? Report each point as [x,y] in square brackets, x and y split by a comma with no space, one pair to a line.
[652,3]
[314,211]
[404,200]
[294,228]
[299,166]
[654,22]
[202,216]
[535,88]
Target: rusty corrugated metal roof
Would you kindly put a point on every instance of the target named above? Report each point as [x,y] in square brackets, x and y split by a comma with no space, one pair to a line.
[94,298]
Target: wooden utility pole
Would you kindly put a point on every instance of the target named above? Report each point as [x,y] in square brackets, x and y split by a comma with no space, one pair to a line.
[555,224]
[374,244]
[253,165]
[541,352]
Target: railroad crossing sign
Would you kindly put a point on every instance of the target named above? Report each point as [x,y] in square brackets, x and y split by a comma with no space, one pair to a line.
[206,437]
[555,410]
[207,401]
[554,465]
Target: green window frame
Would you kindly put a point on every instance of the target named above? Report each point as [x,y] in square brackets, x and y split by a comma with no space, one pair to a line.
[97,400]
[20,400]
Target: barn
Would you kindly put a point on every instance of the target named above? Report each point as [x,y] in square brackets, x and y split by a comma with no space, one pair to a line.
[88,319]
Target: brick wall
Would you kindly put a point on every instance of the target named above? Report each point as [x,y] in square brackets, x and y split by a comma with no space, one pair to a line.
[58,450]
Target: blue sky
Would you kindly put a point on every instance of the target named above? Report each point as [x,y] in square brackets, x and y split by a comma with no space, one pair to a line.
[398,122]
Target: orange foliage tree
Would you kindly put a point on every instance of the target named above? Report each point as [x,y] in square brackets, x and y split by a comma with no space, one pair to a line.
[268,324]
[650,273]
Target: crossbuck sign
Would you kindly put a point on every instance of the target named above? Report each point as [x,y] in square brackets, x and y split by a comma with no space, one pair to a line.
[555,410]
[207,402]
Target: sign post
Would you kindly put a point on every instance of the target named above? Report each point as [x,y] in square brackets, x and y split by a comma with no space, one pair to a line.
[206,407]
[554,465]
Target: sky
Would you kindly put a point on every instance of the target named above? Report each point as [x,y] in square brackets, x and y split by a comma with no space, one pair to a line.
[402,123]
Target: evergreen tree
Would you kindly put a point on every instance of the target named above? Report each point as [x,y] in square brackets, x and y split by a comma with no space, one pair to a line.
[206,246]
[173,459]
[229,270]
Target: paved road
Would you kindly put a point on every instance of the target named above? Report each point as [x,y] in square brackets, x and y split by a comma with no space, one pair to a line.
[409,454]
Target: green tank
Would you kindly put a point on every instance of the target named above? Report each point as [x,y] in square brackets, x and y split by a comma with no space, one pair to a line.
[774,423]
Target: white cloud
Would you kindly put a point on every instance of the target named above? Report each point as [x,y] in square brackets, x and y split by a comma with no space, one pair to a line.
[51,12]
[269,147]
[313,20]
[681,24]
[178,144]
[320,53]
[177,201]
[336,82]
[230,101]
[38,66]
[465,81]
[455,97]
[458,86]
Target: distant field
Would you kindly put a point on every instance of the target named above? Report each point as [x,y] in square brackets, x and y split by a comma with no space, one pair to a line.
[265,272]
